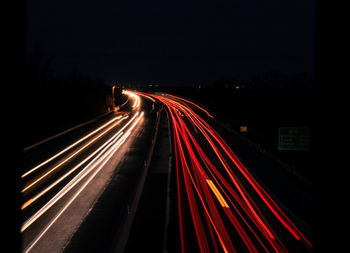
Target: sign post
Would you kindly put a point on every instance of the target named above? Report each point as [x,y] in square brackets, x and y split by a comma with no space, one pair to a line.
[293,138]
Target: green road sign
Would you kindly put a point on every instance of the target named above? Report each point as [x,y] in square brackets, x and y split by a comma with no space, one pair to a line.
[293,138]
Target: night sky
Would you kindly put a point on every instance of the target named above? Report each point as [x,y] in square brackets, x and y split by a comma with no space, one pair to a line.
[173,42]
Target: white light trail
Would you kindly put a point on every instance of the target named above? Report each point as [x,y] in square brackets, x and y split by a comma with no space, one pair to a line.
[137,100]
[74,197]
[115,137]
[69,147]
[30,201]
[71,156]
[107,150]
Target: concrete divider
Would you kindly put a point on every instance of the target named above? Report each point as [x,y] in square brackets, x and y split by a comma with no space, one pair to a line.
[120,243]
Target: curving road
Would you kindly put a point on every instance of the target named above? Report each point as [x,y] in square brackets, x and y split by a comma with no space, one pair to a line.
[59,191]
[220,205]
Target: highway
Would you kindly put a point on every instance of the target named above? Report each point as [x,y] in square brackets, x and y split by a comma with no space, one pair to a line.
[82,196]
[221,206]
[58,192]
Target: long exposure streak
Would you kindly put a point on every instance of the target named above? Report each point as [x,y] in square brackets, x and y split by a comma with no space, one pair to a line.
[69,147]
[51,187]
[99,154]
[71,156]
[218,192]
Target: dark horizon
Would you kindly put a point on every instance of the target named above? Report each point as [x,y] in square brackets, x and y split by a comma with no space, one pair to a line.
[173,43]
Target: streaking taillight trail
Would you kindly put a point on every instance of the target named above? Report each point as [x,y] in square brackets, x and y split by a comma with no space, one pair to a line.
[220,192]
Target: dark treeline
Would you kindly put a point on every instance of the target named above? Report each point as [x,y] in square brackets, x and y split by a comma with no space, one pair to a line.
[51,105]
[266,102]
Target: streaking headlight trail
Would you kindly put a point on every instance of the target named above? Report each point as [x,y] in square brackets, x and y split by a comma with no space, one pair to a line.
[50,187]
[108,148]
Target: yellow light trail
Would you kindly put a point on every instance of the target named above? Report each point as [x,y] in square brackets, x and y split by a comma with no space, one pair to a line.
[217,193]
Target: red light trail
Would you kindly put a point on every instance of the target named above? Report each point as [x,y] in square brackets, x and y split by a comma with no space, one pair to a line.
[230,210]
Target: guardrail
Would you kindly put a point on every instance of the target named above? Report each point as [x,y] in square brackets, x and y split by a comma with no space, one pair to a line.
[65,132]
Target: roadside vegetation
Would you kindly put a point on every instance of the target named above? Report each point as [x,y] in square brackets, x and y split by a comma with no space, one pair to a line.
[50,105]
